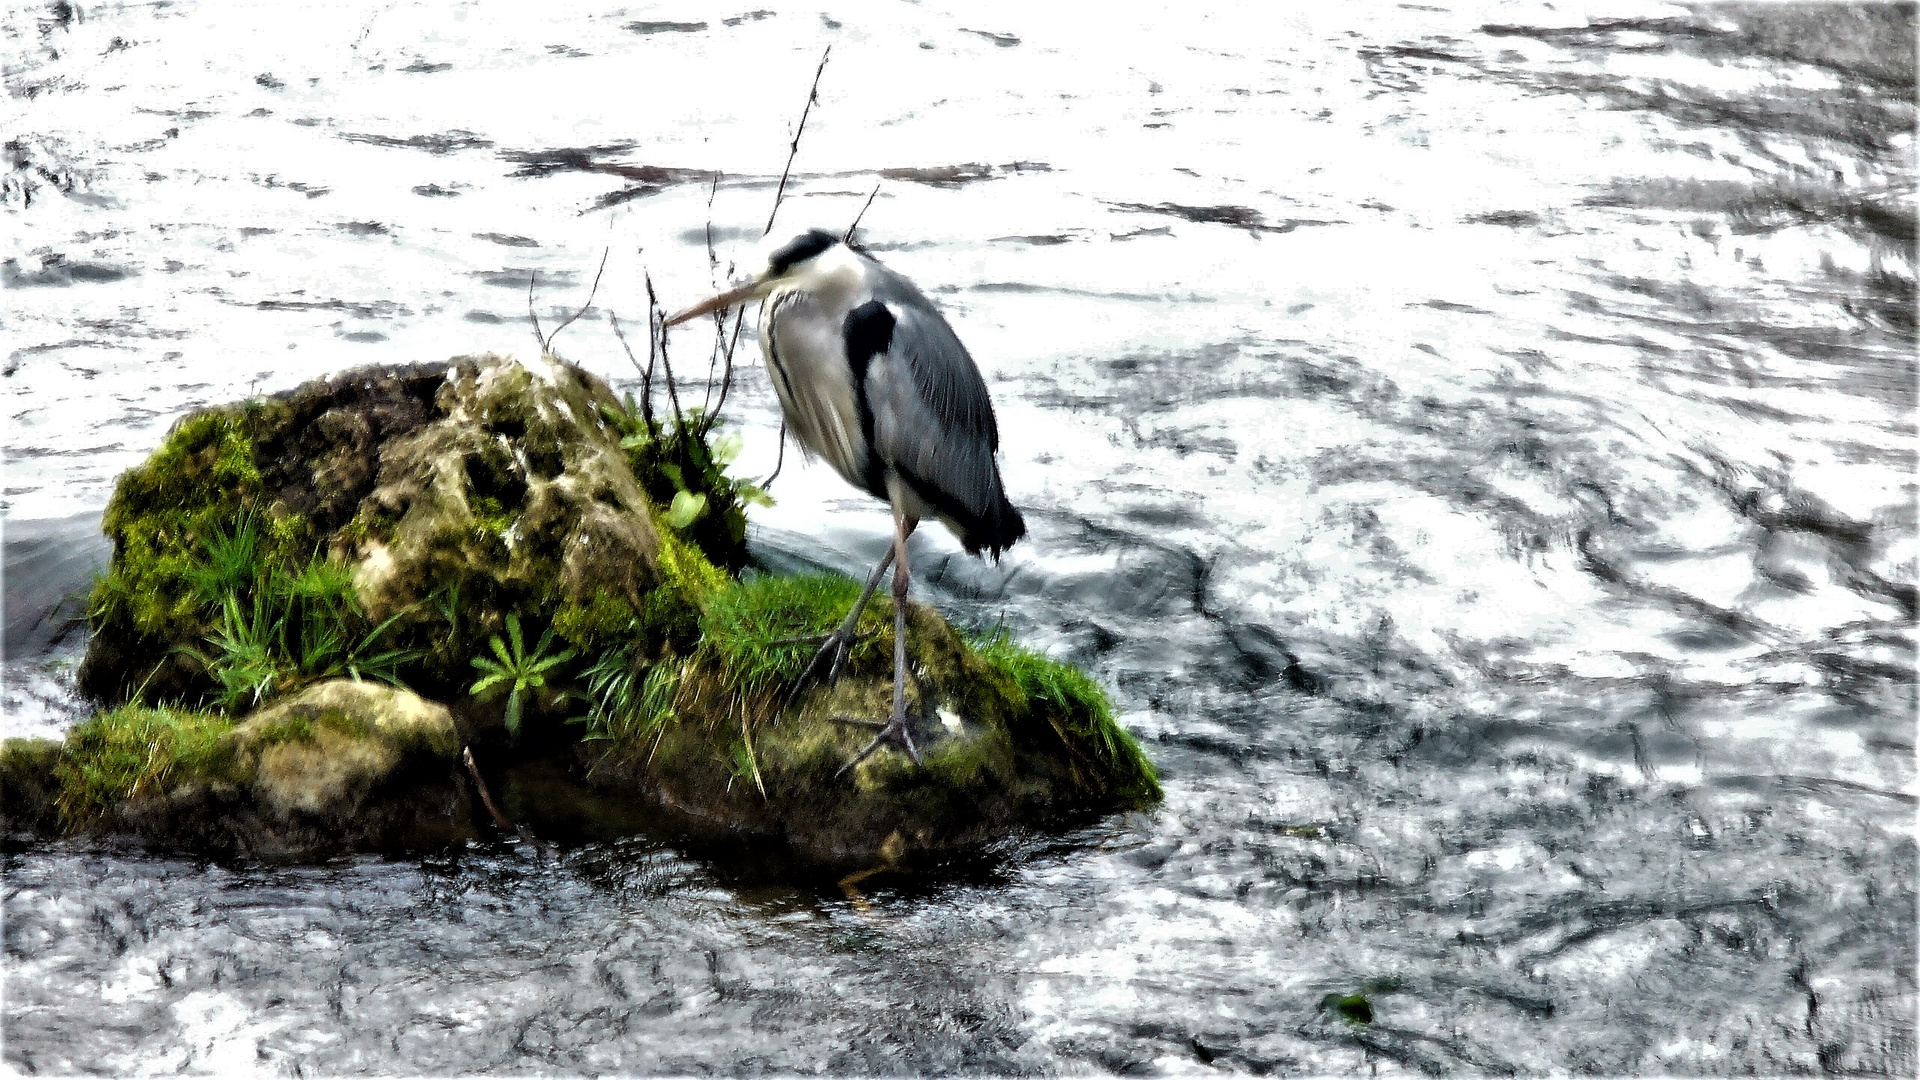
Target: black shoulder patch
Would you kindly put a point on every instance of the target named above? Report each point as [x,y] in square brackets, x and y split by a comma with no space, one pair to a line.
[869,331]
[800,249]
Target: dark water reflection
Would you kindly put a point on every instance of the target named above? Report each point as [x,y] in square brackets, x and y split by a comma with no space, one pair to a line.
[1476,445]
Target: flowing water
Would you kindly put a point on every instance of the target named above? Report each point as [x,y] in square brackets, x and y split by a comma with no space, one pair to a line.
[1475,443]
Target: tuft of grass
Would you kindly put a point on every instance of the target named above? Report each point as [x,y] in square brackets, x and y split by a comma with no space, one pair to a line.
[287,628]
[230,563]
[747,628]
[136,750]
[628,700]
[1079,712]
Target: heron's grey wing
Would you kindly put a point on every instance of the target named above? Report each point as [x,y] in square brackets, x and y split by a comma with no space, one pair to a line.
[932,421]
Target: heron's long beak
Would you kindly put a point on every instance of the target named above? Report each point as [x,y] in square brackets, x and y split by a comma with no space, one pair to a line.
[738,292]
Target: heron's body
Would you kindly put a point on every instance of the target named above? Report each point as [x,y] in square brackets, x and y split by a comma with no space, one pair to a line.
[873,381]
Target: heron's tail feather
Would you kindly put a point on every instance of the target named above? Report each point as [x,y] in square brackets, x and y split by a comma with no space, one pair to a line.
[995,531]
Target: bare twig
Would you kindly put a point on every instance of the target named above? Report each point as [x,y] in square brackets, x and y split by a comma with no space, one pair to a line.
[793,149]
[719,317]
[486,799]
[646,373]
[540,847]
[546,346]
[533,276]
[657,328]
[713,257]
[848,239]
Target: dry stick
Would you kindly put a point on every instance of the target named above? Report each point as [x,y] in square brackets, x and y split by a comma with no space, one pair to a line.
[533,276]
[657,327]
[779,196]
[547,345]
[646,373]
[848,239]
[793,150]
[719,317]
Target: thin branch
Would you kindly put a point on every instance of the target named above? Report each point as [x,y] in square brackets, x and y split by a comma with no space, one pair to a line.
[713,257]
[848,239]
[719,317]
[546,346]
[533,276]
[793,149]
[646,373]
[657,327]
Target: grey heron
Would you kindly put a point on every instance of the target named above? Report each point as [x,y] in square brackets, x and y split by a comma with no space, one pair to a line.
[872,379]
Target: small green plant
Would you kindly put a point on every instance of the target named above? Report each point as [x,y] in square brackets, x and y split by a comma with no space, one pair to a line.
[683,468]
[516,668]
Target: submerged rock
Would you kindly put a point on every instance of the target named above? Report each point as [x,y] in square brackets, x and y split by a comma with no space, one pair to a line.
[339,766]
[491,535]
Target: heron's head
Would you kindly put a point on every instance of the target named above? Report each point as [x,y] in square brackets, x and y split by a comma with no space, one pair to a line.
[807,261]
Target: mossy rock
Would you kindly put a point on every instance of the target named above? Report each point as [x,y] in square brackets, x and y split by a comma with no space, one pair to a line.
[340,766]
[1007,738]
[435,510]
[455,493]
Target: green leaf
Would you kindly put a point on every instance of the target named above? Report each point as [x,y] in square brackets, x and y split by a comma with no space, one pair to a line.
[727,447]
[672,472]
[686,507]
[513,712]
[751,493]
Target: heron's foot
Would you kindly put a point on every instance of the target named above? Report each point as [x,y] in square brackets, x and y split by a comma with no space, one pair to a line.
[828,662]
[898,731]
[893,731]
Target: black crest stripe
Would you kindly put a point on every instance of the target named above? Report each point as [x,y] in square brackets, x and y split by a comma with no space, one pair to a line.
[799,250]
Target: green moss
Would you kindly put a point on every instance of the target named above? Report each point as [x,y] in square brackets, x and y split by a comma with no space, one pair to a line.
[490,515]
[685,570]
[135,750]
[1080,714]
[606,620]
[1353,1008]
[198,488]
[298,727]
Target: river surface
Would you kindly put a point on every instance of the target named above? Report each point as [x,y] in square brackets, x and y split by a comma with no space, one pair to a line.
[1475,443]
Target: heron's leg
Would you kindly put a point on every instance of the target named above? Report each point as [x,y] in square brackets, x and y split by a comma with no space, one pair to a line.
[833,649]
[895,730]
